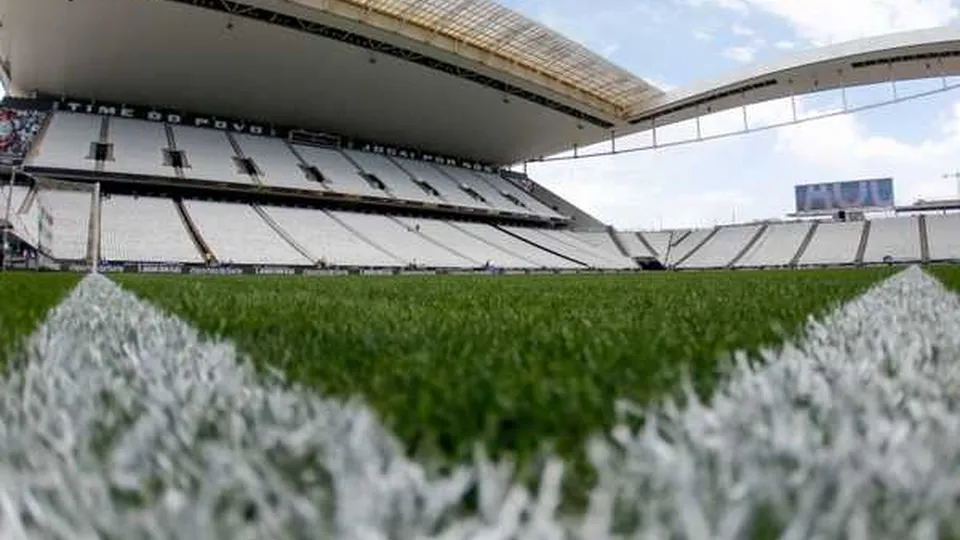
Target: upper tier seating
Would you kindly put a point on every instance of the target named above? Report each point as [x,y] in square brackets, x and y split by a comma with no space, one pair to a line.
[833,243]
[722,247]
[143,147]
[509,190]
[943,237]
[777,246]
[493,197]
[894,239]
[326,240]
[209,155]
[67,142]
[400,184]
[682,244]
[71,222]
[516,246]
[405,241]
[137,148]
[635,248]
[235,233]
[471,247]
[276,163]
[448,189]
[342,175]
[144,229]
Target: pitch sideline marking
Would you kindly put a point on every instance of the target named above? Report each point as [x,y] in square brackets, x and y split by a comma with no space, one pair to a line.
[125,422]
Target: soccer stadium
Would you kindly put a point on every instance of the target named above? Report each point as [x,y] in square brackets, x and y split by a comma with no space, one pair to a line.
[280,269]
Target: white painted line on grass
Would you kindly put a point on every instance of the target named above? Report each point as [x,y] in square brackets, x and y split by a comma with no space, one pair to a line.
[123,422]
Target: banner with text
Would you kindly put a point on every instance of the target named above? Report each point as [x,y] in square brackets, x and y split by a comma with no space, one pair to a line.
[862,194]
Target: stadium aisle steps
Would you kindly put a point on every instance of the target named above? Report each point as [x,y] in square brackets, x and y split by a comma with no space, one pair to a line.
[416,231]
[864,240]
[806,242]
[364,237]
[504,249]
[540,246]
[616,241]
[924,239]
[756,238]
[662,257]
[697,247]
[205,252]
[283,233]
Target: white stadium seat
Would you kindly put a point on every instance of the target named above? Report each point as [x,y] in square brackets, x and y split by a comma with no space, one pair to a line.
[833,243]
[516,246]
[138,148]
[635,248]
[599,240]
[449,235]
[403,240]
[209,155]
[943,237]
[327,240]
[722,248]
[659,241]
[493,197]
[504,186]
[276,163]
[557,242]
[893,239]
[342,175]
[777,246]
[682,243]
[144,229]
[601,250]
[396,179]
[448,189]
[67,142]
[237,234]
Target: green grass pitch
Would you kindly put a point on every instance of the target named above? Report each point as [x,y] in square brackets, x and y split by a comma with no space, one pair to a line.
[25,298]
[519,363]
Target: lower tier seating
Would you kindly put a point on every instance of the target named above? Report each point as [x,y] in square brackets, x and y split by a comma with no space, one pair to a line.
[126,221]
[943,236]
[777,246]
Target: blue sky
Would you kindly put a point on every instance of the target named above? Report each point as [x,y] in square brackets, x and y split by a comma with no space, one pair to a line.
[674,43]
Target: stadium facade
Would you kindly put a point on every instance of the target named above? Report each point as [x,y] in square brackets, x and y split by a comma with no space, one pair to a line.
[337,135]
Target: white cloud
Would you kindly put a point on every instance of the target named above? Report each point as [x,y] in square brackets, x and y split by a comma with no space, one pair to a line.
[740,54]
[785,45]
[661,84]
[740,30]
[829,21]
[734,5]
[844,148]
[609,50]
[702,35]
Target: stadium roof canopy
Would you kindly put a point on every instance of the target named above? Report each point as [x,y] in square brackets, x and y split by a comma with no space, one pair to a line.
[506,40]
[466,78]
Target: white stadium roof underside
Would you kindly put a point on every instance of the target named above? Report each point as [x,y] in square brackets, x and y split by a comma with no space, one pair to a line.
[465,78]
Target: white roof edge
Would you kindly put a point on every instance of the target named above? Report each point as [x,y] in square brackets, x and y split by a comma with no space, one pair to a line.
[804,59]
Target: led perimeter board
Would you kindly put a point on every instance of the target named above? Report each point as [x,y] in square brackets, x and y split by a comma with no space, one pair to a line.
[857,194]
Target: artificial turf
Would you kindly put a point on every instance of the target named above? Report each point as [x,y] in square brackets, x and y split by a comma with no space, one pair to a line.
[949,275]
[518,362]
[25,298]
